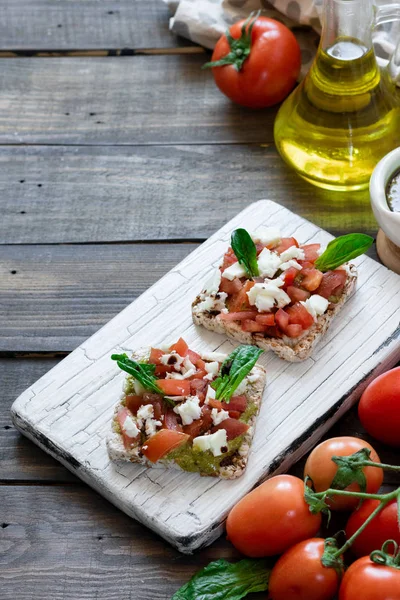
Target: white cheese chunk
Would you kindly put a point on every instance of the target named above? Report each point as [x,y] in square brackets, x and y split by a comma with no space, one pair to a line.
[212,285]
[292,252]
[316,305]
[219,415]
[253,377]
[214,356]
[268,263]
[290,263]
[187,365]
[130,427]
[266,296]
[189,411]
[145,412]
[210,394]
[172,359]
[212,367]
[216,442]
[214,302]
[235,270]
[267,235]
[151,426]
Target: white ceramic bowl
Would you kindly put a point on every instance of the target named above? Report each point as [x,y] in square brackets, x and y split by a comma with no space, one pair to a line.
[388,221]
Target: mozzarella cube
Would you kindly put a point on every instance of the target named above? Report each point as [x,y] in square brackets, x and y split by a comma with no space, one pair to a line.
[268,263]
[292,252]
[130,427]
[216,442]
[235,270]
[189,411]
[316,305]
[267,295]
[210,394]
[212,368]
[267,235]
[219,415]
[290,263]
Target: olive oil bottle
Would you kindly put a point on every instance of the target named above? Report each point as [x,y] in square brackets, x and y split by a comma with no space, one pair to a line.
[341,120]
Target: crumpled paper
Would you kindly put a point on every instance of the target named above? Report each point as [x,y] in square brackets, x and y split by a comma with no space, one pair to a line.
[204,21]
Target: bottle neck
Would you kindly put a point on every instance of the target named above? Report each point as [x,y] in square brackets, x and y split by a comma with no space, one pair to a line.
[347,28]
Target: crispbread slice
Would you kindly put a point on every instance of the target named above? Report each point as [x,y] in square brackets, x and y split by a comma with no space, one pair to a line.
[290,349]
[230,468]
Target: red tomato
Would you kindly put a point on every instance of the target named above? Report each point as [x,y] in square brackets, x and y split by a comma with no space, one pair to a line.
[133,403]
[311,252]
[163,442]
[254,326]
[161,370]
[296,294]
[282,319]
[300,575]
[194,358]
[238,316]
[365,580]
[174,387]
[180,347]
[312,279]
[268,319]
[170,420]
[123,413]
[290,275]
[230,287]
[268,73]
[233,428]
[155,356]
[332,283]
[240,301]
[294,331]
[383,527]
[322,469]
[229,259]
[298,315]
[379,408]
[200,426]
[271,518]
[286,243]
[198,387]
[235,406]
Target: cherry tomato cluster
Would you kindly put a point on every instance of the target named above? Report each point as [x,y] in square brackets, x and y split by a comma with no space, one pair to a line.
[277,518]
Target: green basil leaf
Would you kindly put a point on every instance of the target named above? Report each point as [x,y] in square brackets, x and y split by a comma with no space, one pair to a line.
[234,369]
[245,251]
[143,372]
[222,580]
[343,249]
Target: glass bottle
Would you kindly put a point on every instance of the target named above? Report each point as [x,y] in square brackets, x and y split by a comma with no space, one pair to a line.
[340,121]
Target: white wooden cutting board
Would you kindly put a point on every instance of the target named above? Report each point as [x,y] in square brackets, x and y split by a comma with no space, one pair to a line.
[68,411]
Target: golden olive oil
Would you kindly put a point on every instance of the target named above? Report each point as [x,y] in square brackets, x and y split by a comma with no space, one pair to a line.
[340,121]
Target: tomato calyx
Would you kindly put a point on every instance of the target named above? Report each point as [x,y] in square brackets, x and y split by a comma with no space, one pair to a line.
[384,557]
[350,470]
[331,558]
[316,501]
[240,48]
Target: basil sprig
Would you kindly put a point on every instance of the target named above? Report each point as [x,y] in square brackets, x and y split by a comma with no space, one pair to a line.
[233,370]
[245,251]
[343,249]
[222,580]
[143,372]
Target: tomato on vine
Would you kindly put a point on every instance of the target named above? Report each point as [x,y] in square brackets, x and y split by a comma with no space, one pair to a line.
[385,526]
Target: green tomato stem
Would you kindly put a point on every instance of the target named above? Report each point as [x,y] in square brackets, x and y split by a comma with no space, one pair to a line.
[370,463]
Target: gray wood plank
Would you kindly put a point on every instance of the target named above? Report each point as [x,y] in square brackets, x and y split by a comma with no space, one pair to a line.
[21,460]
[139,99]
[54,297]
[76,24]
[92,194]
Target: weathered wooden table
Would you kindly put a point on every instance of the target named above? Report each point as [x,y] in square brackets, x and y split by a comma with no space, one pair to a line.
[118,156]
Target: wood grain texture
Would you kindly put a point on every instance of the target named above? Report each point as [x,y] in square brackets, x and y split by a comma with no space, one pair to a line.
[76,24]
[136,100]
[302,401]
[54,297]
[91,194]
[21,460]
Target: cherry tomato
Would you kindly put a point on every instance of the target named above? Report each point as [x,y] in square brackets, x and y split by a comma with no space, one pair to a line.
[271,518]
[383,527]
[300,575]
[268,73]
[379,408]
[322,469]
[365,580]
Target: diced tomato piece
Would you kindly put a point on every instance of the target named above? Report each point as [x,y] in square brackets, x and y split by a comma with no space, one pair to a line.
[229,259]
[230,287]
[237,403]
[215,403]
[155,356]
[233,428]
[206,418]
[299,315]
[282,319]
[238,316]
[312,279]
[174,387]
[311,252]
[293,331]
[163,442]
[193,356]
[240,301]
[296,294]
[290,275]
[253,326]
[332,283]
[161,370]
[234,414]
[133,403]
[198,387]
[306,264]
[200,426]
[267,319]
[170,420]
[285,244]
[123,413]
[180,347]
